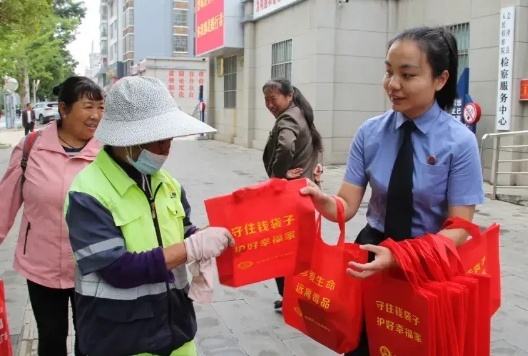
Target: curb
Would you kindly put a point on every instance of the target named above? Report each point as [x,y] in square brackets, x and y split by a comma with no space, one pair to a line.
[512,199]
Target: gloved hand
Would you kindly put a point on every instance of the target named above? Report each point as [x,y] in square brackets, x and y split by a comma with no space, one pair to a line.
[201,247]
[208,243]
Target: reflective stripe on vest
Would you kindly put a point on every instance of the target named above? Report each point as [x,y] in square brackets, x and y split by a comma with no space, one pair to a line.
[92,285]
[131,210]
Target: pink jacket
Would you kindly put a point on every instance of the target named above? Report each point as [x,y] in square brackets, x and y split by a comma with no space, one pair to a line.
[43,253]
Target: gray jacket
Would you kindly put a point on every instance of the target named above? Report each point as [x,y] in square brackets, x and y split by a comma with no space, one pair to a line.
[290,146]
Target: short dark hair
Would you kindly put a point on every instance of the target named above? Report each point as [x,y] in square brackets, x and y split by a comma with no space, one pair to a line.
[440,47]
[285,87]
[28,104]
[75,88]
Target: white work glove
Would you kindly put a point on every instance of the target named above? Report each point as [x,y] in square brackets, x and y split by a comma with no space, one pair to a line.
[208,243]
[201,248]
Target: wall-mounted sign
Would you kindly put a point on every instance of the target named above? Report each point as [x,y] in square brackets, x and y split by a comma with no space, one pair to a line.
[185,84]
[472,113]
[504,92]
[523,93]
[265,7]
[209,25]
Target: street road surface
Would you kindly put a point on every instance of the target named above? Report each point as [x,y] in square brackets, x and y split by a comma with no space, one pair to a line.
[242,321]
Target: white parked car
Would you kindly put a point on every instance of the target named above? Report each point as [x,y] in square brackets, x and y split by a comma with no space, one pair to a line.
[46,111]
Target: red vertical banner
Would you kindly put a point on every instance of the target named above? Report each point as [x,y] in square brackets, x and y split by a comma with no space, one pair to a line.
[209,25]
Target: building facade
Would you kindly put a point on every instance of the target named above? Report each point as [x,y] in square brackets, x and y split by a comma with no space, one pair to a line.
[133,30]
[334,52]
[100,76]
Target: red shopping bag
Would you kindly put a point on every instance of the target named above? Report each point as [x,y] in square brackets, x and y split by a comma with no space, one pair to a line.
[324,302]
[400,314]
[274,230]
[434,280]
[480,254]
[478,329]
[5,339]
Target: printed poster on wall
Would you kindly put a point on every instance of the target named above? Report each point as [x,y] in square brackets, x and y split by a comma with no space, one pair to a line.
[185,83]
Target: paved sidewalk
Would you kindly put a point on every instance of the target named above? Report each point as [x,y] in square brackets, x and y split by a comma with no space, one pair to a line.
[242,321]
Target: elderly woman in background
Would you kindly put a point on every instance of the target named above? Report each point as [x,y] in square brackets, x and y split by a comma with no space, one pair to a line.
[294,144]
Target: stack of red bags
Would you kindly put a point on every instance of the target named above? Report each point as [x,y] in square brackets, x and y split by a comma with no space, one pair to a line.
[431,305]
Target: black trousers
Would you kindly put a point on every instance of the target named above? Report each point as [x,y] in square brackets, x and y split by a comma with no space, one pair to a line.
[29,128]
[367,235]
[50,307]
[280,285]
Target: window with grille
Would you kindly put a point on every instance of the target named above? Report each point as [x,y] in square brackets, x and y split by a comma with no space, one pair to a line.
[129,43]
[180,43]
[181,17]
[230,82]
[281,59]
[129,17]
[461,33]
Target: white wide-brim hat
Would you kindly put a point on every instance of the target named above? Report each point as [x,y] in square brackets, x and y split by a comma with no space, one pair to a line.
[140,110]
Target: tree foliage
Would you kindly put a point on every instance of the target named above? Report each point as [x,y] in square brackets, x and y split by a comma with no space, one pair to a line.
[23,17]
[42,54]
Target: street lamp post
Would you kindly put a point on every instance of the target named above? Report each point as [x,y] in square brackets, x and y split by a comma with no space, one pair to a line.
[10,85]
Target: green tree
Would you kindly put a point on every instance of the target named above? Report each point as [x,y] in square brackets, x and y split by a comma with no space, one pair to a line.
[43,55]
[23,16]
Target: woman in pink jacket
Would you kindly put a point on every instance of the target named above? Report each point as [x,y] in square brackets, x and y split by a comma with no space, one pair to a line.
[43,254]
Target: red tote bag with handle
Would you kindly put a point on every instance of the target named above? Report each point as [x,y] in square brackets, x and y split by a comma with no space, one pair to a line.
[400,315]
[5,339]
[480,254]
[324,302]
[478,329]
[274,230]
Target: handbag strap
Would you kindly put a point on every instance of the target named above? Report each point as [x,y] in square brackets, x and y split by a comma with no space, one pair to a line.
[29,142]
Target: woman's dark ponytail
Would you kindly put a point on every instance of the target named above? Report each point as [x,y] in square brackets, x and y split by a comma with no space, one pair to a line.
[306,108]
[441,48]
[447,95]
[286,88]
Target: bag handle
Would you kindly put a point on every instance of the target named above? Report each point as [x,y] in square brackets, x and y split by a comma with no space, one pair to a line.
[403,261]
[459,223]
[431,261]
[447,251]
[276,185]
[340,220]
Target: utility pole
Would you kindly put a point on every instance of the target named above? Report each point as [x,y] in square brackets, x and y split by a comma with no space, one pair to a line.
[36,84]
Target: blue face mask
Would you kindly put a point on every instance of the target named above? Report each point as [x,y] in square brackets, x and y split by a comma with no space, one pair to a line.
[147,163]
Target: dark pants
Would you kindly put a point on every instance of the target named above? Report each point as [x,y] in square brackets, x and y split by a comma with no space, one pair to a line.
[366,236]
[50,307]
[29,127]
[280,285]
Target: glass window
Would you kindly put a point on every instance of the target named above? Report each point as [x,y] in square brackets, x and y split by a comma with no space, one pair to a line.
[180,43]
[230,82]
[181,17]
[281,59]
[461,32]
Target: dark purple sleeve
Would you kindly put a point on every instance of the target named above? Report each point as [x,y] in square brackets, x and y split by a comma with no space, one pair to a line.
[136,269]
